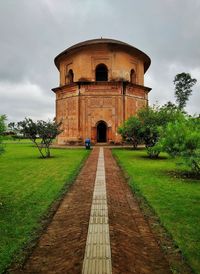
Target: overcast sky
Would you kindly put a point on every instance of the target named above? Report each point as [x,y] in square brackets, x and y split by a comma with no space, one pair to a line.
[33,32]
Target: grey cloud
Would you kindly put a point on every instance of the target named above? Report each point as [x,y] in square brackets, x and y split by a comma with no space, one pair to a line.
[25,99]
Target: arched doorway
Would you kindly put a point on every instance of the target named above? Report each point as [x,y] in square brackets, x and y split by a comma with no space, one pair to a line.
[101,132]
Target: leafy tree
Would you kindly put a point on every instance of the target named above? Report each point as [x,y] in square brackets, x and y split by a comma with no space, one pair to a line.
[145,127]
[15,131]
[2,123]
[183,88]
[149,119]
[11,126]
[2,129]
[182,139]
[46,131]
[170,106]
[152,118]
[131,131]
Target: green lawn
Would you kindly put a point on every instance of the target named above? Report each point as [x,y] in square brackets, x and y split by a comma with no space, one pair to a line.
[28,186]
[175,201]
[10,140]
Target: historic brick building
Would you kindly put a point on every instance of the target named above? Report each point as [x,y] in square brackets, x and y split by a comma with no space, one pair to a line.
[101,85]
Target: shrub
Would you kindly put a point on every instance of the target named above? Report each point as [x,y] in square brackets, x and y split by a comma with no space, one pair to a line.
[182,139]
[46,131]
[131,131]
[152,118]
[2,129]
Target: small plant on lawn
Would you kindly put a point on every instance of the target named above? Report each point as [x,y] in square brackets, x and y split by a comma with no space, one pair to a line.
[2,129]
[45,131]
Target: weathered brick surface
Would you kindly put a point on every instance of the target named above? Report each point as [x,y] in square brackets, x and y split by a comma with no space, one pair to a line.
[81,104]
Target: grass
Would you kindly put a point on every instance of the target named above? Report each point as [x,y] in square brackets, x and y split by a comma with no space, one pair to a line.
[28,187]
[10,140]
[175,200]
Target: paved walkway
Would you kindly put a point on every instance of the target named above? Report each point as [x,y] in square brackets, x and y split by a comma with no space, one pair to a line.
[97,252]
[98,228]
[134,247]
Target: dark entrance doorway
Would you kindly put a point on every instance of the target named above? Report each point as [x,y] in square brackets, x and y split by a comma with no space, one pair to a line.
[101,132]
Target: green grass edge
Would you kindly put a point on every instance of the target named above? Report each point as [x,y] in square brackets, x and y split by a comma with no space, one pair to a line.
[21,255]
[149,213]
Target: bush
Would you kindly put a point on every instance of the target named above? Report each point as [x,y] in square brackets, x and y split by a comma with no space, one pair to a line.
[131,131]
[152,118]
[182,139]
[45,131]
[2,129]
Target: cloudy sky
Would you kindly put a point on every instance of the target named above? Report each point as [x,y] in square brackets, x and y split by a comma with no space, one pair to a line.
[33,32]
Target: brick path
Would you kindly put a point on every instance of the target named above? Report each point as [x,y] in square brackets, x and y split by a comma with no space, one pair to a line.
[67,246]
[134,248]
[61,248]
[97,252]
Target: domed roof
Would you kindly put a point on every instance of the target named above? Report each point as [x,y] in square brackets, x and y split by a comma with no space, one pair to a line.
[127,47]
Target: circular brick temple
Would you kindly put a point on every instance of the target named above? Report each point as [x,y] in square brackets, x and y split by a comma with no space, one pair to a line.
[101,85]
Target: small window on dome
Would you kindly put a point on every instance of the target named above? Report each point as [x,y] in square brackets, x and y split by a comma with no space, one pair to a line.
[101,73]
[71,76]
[133,76]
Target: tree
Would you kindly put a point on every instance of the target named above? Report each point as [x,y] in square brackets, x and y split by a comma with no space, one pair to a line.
[2,129]
[40,130]
[152,118]
[150,121]
[131,131]
[2,124]
[170,106]
[181,138]
[183,88]
[15,131]
[145,127]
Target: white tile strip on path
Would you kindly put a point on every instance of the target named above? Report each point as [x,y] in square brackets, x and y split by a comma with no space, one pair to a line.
[97,259]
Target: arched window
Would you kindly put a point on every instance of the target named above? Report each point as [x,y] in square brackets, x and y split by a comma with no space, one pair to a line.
[71,76]
[101,73]
[133,76]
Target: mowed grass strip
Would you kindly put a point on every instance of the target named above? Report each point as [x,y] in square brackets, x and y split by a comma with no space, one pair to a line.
[174,200]
[28,187]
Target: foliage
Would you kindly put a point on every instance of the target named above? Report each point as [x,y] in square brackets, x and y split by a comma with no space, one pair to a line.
[15,131]
[46,131]
[145,127]
[2,129]
[11,126]
[131,131]
[152,118]
[183,88]
[2,123]
[28,187]
[150,122]
[182,139]
[174,199]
